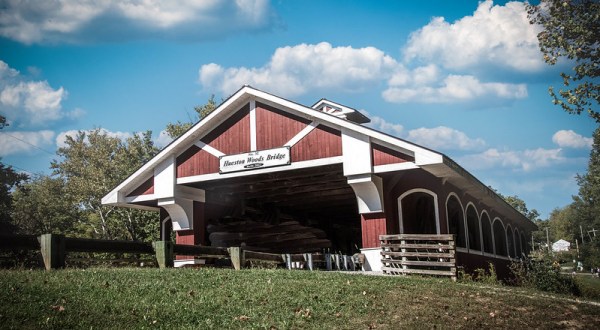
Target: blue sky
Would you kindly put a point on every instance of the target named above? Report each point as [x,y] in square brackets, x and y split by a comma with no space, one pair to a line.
[462,77]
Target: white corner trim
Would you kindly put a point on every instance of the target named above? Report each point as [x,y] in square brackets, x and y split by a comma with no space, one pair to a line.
[198,195]
[304,132]
[372,259]
[140,198]
[394,167]
[164,178]
[356,150]
[209,149]
[253,125]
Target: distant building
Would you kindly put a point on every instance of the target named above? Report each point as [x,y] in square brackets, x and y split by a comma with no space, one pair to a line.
[561,245]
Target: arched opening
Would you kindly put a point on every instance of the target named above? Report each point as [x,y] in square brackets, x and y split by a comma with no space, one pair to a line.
[499,238]
[525,247]
[456,220]
[418,213]
[511,241]
[473,228]
[486,230]
[518,249]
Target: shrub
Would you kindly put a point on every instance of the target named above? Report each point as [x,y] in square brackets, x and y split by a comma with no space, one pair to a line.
[480,275]
[544,275]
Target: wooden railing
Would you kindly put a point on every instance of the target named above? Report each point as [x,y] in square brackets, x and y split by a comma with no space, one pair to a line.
[419,254]
[54,250]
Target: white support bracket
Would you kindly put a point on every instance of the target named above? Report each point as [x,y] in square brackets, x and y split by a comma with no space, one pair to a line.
[180,210]
[368,189]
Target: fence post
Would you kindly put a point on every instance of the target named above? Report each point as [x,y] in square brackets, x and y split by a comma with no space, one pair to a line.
[237,257]
[164,253]
[309,260]
[52,248]
[328,261]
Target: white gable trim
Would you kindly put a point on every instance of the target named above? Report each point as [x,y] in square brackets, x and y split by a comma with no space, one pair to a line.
[209,149]
[244,96]
[304,132]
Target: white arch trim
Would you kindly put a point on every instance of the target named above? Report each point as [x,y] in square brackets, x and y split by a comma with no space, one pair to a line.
[494,236]
[467,227]
[481,229]
[435,202]
[461,207]
[506,230]
[517,235]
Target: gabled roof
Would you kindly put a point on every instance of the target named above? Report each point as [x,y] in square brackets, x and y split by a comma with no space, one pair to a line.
[432,161]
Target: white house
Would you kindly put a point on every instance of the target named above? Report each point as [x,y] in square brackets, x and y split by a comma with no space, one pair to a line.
[561,245]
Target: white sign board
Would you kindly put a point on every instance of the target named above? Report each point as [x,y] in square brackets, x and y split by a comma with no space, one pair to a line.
[255,160]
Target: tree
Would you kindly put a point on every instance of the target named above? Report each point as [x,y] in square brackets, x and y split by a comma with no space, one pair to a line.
[3,122]
[586,206]
[177,129]
[43,206]
[571,31]
[93,163]
[560,223]
[9,179]
[520,205]
[587,202]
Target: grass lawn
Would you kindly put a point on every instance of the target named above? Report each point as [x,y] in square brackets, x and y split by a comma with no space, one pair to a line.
[271,299]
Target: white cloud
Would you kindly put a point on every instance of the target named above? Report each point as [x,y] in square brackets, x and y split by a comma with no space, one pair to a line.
[62,137]
[444,138]
[24,142]
[56,21]
[525,160]
[381,124]
[570,139]
[163,139]
[452,89]
[294,70]
[27,102]
[496,36]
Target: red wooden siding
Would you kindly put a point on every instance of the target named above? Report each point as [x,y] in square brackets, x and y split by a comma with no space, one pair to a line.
[146,188]
[321,142]
[382,156]
[372,225]
[275,127]
[232,136]
[195,161]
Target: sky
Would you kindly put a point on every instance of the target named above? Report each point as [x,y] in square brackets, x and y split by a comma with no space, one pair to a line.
[464,78]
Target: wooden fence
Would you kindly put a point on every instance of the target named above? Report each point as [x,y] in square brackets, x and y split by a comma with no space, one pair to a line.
[54,249]
[418,254]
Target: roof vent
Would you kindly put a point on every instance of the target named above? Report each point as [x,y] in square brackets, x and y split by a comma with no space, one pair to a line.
[341,111]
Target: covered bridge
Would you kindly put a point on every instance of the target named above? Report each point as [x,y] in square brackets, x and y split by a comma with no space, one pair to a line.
[285,177]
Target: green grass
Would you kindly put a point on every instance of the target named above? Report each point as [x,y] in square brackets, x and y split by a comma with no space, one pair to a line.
[270,299]
[589,285]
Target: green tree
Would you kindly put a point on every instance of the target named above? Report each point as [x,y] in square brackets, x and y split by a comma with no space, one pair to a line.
[42,206]
[520,205]
[93,163]
[587,202]
[560,223]
[586,206]
[571,30]
[3,122]
[9,180]
[175,130]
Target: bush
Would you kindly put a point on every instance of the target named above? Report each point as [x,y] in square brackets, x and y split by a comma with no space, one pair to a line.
[480,275]
[544,275]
